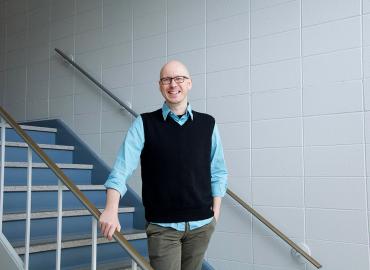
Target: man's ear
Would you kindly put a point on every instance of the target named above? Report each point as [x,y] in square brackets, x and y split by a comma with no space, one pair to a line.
[159,86]
[190,84]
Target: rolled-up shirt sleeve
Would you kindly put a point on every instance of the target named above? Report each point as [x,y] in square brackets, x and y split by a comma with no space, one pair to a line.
[218,166]
[128,157]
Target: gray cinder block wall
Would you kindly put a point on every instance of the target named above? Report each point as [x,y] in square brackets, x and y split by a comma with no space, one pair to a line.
[288,81]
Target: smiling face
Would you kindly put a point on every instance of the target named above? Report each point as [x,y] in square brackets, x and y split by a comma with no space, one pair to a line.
[175,93]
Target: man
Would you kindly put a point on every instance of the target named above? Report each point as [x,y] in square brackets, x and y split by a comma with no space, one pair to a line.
[183,173]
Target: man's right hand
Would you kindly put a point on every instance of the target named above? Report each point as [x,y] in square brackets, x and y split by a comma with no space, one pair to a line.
[108,221]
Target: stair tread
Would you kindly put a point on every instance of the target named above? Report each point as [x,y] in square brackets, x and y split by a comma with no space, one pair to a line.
[50,188]
[111,265]
[41,145]
[43,165]
[35,128]
[72,240]
[52,214]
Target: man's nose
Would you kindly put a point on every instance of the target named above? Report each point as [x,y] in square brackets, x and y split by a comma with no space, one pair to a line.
[173,83]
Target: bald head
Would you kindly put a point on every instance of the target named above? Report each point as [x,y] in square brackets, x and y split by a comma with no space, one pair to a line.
[174,84]
[174,68]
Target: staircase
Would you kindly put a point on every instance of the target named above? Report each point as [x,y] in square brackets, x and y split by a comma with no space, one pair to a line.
[76,225]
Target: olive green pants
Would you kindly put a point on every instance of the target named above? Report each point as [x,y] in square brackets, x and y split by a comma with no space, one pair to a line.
[170,249]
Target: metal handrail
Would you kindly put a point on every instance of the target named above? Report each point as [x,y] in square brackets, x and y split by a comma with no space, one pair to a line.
[229,192]
[73,188]
[274,229]
[91,78]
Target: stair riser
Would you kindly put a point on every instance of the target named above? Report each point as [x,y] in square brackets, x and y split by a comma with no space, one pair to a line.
[73,257]
[15,202]
[37,136]
[18,154]
[47,228]
[43,176]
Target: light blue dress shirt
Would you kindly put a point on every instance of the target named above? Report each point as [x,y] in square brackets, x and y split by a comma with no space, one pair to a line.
[129,156]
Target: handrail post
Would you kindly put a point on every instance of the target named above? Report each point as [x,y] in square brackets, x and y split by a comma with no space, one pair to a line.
[28,213]
[94,242]
[2,172]
[58,252]
[133,265]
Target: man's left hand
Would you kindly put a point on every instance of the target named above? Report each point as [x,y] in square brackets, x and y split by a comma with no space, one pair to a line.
[216,214]
[216,207]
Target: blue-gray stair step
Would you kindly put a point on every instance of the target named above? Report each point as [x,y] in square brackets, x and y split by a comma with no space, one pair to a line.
[44,224]
[125,265]
[117,264]
[44,198]
[43,165]
[76,252]
[17,152]
[15,174]
[38,134]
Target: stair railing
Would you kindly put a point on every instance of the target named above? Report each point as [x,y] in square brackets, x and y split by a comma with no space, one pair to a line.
[137,259]
[246,206]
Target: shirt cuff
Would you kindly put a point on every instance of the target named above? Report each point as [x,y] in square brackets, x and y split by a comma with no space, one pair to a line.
[121,189]
[218,190]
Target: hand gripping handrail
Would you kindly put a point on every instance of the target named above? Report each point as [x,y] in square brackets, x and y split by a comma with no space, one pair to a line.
[72,187]
[229,192]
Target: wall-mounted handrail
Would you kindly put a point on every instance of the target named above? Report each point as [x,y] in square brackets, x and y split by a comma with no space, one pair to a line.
[274,229]
[72,187]
[229,192]
[91,78]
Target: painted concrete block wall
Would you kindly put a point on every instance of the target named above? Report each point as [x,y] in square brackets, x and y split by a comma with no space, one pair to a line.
[287,80]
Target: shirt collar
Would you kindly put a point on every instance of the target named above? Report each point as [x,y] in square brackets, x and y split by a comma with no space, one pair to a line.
[166,110]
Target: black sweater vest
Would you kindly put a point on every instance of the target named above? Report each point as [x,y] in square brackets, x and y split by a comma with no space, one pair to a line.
[176,168]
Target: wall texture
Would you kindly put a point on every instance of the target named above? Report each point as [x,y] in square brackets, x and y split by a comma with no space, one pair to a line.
[288,82]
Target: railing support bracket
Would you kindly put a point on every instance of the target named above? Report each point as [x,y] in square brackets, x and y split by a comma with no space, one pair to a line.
[297,256]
